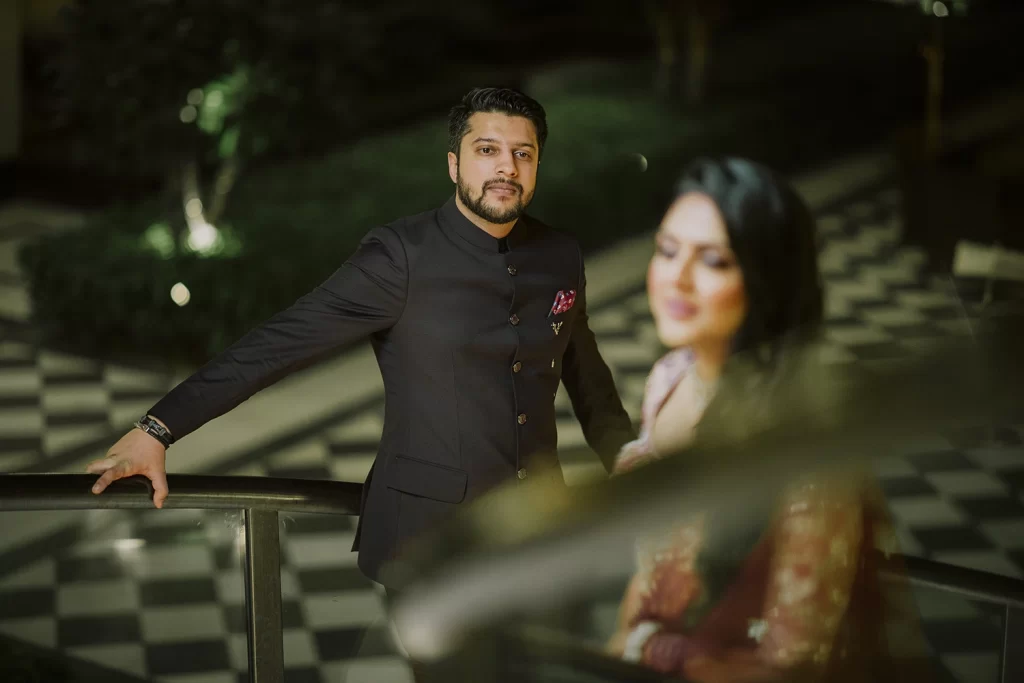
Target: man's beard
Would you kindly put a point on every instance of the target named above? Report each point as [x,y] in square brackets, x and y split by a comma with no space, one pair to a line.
[496,215]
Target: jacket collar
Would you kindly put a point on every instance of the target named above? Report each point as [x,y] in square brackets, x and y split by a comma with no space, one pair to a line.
[453,219]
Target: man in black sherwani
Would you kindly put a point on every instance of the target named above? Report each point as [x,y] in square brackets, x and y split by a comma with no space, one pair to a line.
[475,311]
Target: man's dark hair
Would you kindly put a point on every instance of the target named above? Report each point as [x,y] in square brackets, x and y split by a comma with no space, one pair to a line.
[495,101]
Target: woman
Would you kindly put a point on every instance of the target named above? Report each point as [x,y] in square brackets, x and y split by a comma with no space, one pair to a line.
[735,271]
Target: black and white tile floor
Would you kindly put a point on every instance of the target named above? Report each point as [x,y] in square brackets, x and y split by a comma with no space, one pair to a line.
[158,594]
[57,408]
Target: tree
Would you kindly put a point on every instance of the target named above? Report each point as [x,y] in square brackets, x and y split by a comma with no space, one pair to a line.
[937,13]
[690,22]
[933,49]
[192,91]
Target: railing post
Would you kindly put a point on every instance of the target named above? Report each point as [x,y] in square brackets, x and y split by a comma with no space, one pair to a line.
[1013,645]
[263,596]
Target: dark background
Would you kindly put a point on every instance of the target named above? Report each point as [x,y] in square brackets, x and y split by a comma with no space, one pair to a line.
[330,119]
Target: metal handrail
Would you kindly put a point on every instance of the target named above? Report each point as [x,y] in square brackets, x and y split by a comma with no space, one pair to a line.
[187,491]
[73,492]
[972,584]
[262,498]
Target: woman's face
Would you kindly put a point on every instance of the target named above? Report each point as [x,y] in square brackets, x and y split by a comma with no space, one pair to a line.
[694,282]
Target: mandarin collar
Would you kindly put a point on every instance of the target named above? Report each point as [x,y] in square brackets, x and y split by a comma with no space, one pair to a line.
[464,228]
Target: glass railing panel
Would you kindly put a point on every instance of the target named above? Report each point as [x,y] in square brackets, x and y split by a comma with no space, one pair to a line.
[966,636]
[334,618]
[143,595]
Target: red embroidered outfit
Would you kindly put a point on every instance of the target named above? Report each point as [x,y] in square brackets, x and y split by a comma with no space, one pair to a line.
[799,600]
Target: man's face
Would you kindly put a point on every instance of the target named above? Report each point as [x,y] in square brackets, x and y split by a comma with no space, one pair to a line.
[496,171]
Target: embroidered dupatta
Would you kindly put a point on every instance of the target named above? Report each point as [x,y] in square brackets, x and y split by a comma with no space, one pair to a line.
[796,595]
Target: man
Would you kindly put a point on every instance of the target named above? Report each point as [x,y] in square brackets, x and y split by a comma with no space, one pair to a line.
[475,311]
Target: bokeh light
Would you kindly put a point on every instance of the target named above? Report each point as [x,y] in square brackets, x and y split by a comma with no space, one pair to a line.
[180,294]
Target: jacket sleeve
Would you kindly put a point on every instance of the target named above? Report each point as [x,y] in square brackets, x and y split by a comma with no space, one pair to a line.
[365,295]
[588,380]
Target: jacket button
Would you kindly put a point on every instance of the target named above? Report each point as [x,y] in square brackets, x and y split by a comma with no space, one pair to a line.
[511,270]
[521,473]
[517,366]
[514,319]
[522,418]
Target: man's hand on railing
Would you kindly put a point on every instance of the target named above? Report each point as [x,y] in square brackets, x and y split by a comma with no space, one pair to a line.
[135,453]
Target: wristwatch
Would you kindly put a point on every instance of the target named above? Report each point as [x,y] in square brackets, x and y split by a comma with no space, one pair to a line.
[155,430]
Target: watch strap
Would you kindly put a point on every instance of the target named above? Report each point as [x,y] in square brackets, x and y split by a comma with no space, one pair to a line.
[155,430]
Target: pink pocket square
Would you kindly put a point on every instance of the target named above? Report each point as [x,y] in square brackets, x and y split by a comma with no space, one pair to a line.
[563,302]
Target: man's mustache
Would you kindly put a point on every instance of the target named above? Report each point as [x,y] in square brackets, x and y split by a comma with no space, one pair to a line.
[502,183]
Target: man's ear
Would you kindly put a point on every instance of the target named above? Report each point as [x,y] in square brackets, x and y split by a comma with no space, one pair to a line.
[453,167]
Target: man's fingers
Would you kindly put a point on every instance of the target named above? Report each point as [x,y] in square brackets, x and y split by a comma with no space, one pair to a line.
[120,469]
[100,466]
[106,480]
[159,479]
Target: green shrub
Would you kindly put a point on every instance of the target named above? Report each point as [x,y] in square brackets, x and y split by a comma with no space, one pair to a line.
[106,289]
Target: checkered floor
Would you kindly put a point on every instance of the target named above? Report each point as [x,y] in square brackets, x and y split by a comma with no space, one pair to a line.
[55,408]
[158,594]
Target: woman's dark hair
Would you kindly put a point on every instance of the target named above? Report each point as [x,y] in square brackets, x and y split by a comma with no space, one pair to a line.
[495,101]
[772,233]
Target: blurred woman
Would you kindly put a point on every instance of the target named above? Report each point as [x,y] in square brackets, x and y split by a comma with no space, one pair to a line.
[800,599]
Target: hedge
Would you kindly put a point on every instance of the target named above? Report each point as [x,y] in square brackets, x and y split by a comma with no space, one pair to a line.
[105,290]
